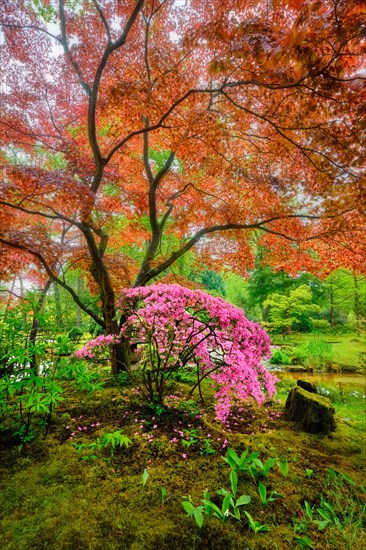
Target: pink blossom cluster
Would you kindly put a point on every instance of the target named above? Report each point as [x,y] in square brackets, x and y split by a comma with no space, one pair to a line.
[100,342]
[177,326]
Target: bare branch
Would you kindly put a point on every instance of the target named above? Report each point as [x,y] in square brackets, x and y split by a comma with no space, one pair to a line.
[65,44]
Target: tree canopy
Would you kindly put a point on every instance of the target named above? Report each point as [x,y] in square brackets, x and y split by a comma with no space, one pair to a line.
[134,131]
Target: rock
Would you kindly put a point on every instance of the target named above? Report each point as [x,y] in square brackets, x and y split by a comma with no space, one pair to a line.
[314,412]
[307,385]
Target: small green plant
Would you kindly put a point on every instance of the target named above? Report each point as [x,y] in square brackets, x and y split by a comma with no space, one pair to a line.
[109,441]
[25,435]
[145,477]
[308,510]
[303,519]
[256,526]
[246,463]
[82,376]
[309,473]
[195,511]
[157,407]
[266,467]
[283,466]
[230,506]
[64,346]
[303,542]
[262,490]
[206,449]
[191,438]
[29,399]
[328,516]
[163,495]
[340,516]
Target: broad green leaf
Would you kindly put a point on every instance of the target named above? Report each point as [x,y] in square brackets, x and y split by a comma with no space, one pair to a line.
[242,500]
[324,514]
[188,507]
[234,481]
[226,503]
[211,507]
[198,516]
[321,524]
[145,476]
[262,492]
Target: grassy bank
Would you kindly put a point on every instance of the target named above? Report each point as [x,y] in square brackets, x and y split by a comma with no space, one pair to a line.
[344,350]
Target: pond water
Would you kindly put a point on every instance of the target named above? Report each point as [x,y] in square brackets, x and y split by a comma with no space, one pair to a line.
[338,379]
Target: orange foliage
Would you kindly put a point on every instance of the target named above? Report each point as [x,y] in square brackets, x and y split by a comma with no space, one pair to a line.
[260,105]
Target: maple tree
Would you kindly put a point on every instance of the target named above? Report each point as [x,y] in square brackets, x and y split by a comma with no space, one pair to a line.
[134,131]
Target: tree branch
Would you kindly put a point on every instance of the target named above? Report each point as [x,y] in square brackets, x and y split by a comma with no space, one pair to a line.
[65,44]
[144,277]
[54,277]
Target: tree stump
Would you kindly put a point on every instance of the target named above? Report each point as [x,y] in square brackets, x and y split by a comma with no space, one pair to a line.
[314,412]
[307,385]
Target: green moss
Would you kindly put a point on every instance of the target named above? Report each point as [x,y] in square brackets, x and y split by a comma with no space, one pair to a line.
[50,498]
[323,401]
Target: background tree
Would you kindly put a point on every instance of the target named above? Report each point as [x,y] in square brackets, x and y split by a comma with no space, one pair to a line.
[346,295]
[129,124]
[292,312]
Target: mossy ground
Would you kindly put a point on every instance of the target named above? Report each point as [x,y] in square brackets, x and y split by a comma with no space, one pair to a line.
[52,497]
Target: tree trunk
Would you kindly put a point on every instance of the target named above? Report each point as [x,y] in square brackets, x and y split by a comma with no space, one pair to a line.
[357,307]
[56,293]
[331,304]
[78,310]
[34,361]
[120,353]
[120,356]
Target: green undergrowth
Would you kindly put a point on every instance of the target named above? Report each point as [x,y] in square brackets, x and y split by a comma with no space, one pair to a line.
[113,473]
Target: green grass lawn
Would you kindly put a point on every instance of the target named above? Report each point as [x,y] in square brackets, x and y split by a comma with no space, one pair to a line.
[345,348]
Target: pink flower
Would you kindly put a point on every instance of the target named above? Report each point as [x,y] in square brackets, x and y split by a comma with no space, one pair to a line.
[222,340]
[184,455]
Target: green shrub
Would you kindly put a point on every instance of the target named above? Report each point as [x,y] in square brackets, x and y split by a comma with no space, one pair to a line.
[280,357]
[321,325]
[75,334]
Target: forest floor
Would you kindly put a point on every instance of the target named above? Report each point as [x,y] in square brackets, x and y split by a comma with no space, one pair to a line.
[67,491]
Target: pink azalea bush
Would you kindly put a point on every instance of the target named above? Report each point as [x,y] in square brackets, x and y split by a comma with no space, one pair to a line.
[176,327]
